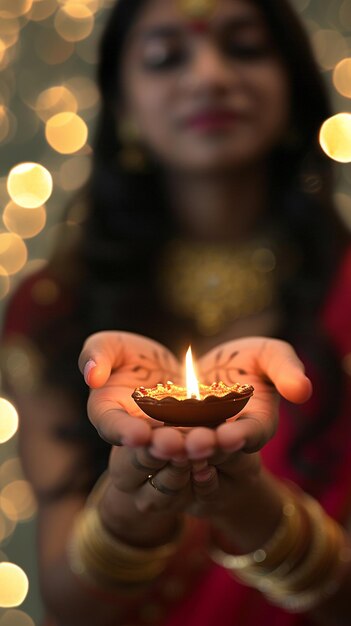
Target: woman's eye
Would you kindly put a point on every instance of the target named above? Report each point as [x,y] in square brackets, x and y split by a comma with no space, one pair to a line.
[246,52]
[163,57]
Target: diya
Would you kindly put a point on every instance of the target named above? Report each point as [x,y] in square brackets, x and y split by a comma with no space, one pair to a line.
[193,405]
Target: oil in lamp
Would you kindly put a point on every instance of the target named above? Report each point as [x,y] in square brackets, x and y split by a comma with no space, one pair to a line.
[193,405]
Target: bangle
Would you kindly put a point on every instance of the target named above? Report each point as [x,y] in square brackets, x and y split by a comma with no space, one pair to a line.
[280,552]
[98,557]
[302,564]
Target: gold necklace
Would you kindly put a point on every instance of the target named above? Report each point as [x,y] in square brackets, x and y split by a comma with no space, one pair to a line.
[214,285]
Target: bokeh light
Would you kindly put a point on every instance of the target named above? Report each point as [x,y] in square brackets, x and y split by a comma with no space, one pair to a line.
[4,283]
[14,585]
[15,617]
[74,173]
[26,223]
[14,8]
[13,253]
[66,132]
[330,47]
[343,206]
[29,185]
[74,21]
[17,501]
[55,100]
[335,137]
[342,77]
[41,10]
[7,527]
[51,48]
[8,420]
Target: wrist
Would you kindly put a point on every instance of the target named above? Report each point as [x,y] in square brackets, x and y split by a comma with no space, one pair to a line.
[253,518]
[123,520]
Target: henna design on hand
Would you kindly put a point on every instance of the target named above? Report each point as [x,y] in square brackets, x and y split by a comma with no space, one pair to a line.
[222,369]
[151,365]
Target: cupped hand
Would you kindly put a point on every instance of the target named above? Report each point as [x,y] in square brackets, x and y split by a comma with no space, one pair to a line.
[114,363]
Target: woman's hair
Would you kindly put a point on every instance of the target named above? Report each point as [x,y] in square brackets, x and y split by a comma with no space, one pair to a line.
[128,220]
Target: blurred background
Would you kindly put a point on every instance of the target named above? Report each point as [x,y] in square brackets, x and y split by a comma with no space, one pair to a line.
[48,105]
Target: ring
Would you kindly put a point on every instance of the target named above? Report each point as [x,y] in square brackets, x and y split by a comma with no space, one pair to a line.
[167,491]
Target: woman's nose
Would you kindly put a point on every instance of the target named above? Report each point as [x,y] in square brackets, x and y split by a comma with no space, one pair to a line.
[209,70]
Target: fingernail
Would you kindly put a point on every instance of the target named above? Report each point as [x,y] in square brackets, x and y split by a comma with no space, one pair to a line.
[236,447]
[204,475]
[180,462]
[201,454]
[159,455]
[87,369]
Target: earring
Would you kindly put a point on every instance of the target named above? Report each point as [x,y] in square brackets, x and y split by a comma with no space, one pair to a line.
[131,157]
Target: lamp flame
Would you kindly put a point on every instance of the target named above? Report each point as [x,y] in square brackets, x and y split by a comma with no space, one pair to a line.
[192,385]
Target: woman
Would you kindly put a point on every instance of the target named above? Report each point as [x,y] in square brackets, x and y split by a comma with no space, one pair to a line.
[206,165]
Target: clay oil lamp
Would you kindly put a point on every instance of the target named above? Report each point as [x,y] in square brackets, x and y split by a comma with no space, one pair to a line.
[194,405]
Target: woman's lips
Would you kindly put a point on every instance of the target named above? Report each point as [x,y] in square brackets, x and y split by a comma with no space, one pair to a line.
[212,120]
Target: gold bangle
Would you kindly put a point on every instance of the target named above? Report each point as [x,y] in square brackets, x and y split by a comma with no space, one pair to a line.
[97,556]
[282,548]
[311,569]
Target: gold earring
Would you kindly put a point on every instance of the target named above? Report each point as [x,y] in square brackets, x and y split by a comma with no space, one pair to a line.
[131,156]
[197,8]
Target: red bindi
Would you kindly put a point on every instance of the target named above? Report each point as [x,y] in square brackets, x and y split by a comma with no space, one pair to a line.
[198,26]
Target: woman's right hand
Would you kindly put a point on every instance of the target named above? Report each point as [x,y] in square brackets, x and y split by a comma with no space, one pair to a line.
[144,496]
[113,365]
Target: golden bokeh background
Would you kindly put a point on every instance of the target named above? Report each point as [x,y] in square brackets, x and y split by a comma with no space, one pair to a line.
[48,106]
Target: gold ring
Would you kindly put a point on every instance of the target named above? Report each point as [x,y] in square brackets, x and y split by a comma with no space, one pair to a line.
[167,491]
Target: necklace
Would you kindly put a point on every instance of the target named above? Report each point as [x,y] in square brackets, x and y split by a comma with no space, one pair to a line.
[213,285]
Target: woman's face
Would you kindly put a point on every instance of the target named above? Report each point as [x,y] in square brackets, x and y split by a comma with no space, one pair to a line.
[205,99]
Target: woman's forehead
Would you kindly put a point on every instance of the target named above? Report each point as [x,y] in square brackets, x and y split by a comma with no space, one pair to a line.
[181,11]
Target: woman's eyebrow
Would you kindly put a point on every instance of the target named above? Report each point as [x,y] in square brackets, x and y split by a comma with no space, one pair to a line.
[241,22]
[161,31]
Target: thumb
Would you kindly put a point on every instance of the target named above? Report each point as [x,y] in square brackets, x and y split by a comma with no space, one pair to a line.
[280,363]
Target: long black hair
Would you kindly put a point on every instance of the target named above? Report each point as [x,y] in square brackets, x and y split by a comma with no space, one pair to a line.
[128,222]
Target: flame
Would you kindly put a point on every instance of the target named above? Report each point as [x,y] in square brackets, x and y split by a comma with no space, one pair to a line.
[192,385]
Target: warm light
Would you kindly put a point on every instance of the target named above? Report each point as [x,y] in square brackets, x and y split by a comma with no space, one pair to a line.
[4,283]
[29,185]
[14,8]
[330,47]
[25,223]
[14,585]
[51,48]
[55,100]
[42,9]
[335,137]
[342,77]
[66,132]
[192,385]
[74,172]
[15,617]
[13,253]
[8,421]
[17,500]
[74,22]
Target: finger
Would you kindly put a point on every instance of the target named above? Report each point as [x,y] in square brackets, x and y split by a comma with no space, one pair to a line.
[100,354]
[249,432]
[205,484]
[200,443]
[130,467]
[167,489]
[167,443]
[115,426]
[280,363]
